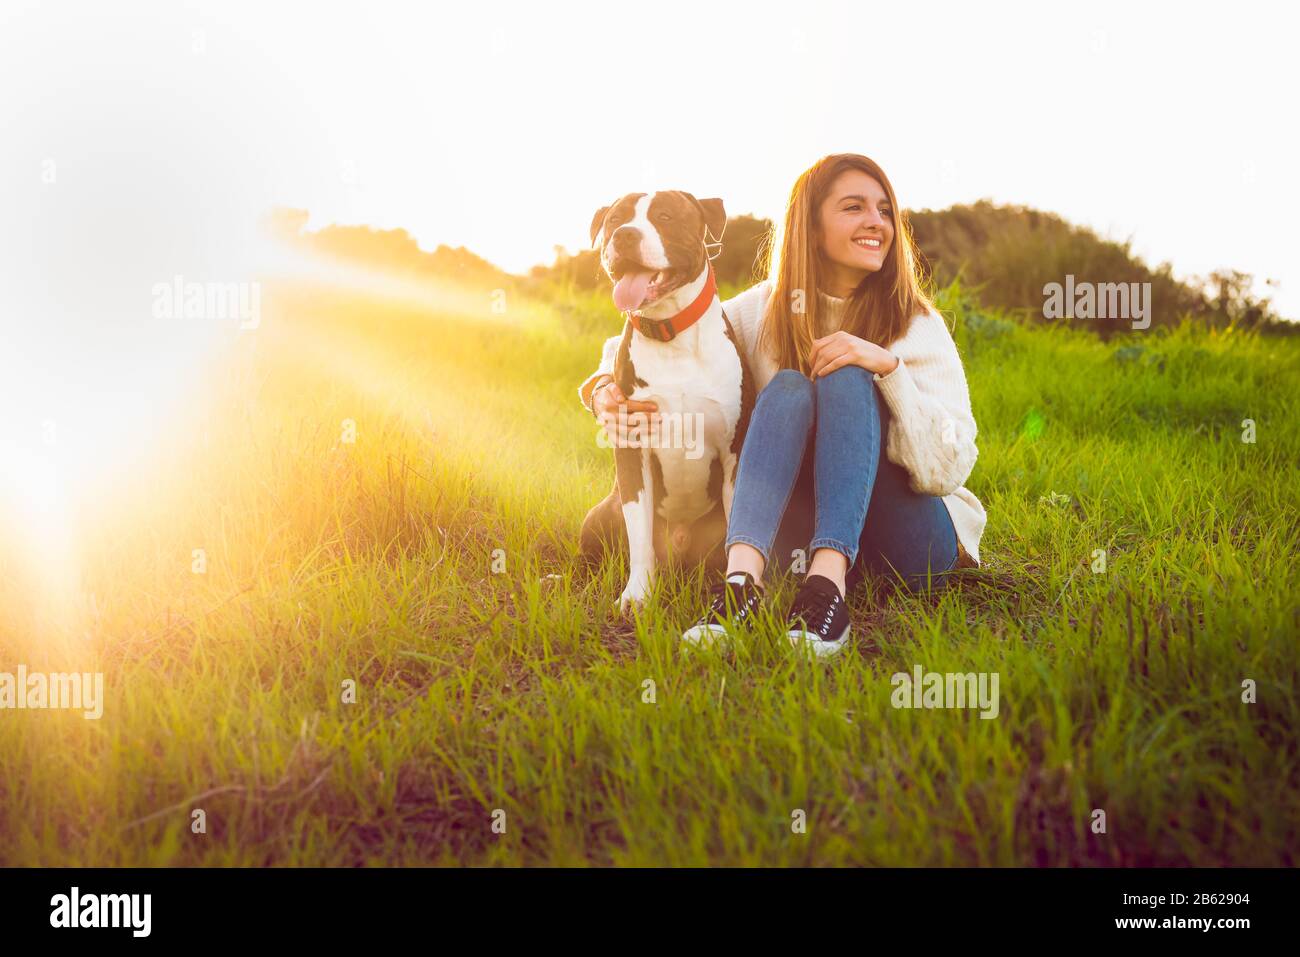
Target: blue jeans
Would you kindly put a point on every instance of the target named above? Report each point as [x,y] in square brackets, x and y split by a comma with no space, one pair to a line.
[838,491]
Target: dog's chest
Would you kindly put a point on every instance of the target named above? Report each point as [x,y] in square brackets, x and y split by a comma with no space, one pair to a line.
[695,382]
[699,378]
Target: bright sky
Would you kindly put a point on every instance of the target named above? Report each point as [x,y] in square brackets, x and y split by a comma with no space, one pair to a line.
[501,126]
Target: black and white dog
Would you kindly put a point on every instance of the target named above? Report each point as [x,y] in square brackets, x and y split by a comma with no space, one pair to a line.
[671,499]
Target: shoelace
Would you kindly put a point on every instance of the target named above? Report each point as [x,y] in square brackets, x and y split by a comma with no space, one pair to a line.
[816,608]
[745,597]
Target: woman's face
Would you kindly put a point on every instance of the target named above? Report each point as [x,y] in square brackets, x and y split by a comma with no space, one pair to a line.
[857,226]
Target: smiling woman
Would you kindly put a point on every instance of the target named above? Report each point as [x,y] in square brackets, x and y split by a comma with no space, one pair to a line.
[840,237]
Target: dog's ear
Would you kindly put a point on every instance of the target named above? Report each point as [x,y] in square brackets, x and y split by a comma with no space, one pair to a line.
[596,222]
[715,217]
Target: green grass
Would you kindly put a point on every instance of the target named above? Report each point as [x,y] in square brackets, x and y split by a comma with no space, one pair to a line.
[505,680]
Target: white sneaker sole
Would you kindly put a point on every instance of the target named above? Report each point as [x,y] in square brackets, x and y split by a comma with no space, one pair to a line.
[702,636]
[822,649]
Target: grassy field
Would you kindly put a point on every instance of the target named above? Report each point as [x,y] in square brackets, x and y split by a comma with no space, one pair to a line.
[504,713]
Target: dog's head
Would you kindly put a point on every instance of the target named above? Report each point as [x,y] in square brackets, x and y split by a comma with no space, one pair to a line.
[653,243]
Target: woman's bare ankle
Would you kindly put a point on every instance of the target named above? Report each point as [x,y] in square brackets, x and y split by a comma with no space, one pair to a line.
[831,564]
[746,558]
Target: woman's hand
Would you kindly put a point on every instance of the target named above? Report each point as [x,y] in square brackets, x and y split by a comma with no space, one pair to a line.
[628,431]
[845,349]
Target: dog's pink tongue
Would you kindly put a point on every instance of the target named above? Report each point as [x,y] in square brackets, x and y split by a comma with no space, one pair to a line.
[631,289]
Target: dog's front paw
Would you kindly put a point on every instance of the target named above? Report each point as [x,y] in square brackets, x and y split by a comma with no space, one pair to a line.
[633,597]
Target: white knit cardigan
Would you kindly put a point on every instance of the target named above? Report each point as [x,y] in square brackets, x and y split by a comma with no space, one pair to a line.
[932,431]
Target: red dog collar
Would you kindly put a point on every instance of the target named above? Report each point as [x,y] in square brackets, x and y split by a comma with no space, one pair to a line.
[664,330]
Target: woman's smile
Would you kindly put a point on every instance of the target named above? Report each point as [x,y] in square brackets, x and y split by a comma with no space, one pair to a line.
[870,249]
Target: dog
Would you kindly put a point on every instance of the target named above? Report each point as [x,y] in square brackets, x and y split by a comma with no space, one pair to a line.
[670,502]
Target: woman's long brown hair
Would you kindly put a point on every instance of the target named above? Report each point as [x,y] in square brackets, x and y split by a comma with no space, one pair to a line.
[879,310]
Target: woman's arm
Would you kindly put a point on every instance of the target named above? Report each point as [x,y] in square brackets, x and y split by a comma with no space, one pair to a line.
[606,367]
[933,431]
[626,421]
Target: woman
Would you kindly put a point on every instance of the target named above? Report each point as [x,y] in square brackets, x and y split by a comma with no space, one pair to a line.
[862,434]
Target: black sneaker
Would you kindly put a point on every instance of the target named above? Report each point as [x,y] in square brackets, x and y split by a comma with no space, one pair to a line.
[736,599]
[819,619]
